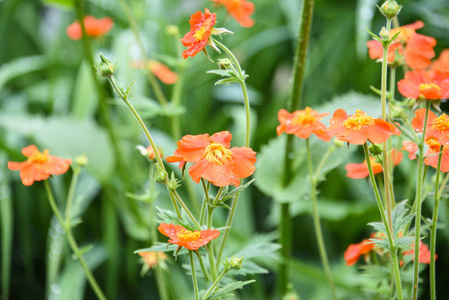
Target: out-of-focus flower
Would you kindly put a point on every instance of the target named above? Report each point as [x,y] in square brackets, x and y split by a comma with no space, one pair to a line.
[150,258]
[421,84]
[418,50]
[358,171]
[359,127]
[437,127]
[441,64]
[39,166]
[94,27]
[213,158]
[302,123]
[159,70]
[431,157]
[354,251]
[200,30]
[192,240]
[424,253]
[240,10]
[148,152]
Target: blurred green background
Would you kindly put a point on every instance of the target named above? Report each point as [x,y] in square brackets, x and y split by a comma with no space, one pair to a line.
[49,96]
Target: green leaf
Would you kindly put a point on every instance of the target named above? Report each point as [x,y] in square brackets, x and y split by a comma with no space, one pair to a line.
[224,73]
[226,290]
[168,216]
[20,67]
[226,81]
[66,4]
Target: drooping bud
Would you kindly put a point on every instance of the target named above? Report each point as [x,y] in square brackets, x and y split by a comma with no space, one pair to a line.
[390,9]
[106,68]
[375,149]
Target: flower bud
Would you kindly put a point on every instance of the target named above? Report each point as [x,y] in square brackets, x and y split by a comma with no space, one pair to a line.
[384,34]
[161,174]
[390,9]
[234,263]
[397,112]
[338,143]
[375,149]
[81,160]
[106,68]
[224,63]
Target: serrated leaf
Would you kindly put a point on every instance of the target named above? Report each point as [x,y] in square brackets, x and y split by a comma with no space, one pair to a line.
[229,194]
[167,216]
[224,73]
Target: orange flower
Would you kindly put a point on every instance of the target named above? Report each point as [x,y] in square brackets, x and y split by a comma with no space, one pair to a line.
[197,38]
[159,70]
[354,251]
[359,127]
[39,166]
[358,171]
[240,10]
[431,157]
[94,27]
[213,159]
[421,84]
[302,123]
[191,240]
[424,253]
[150,258]
[418,48]
[442,63]
[437,127]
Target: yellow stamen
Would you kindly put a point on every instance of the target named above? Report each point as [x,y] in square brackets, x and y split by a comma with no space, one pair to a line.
[304,117]
[441,123]
[39,158]
[199,34]
[433,144]
[423,87]
[189,236]
[217,154]
[357,120]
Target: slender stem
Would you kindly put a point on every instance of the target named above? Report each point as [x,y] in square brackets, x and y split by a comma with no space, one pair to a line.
[247,141]
[317,224]
[294,102]
[206,200]
[419,189]
[195,283]
[93,283]
[70,196]
[175,204]
[433,230]
[218,196]
[213,268]
[214,285]
[392,82]
[322,162]
[200,259]
[393,250]
[445,180]
[184,206]
[386,165]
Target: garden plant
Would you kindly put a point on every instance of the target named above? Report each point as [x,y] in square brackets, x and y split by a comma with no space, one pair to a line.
[224,149]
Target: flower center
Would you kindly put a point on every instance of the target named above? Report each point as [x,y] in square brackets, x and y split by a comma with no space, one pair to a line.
[427,87]
[39,158]
[304,117]
[357,120]
[199,34]
[188,236]
[433,144]
[441,123]
[217,154]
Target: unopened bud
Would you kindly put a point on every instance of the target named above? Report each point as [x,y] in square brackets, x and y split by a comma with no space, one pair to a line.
[224,63]
[81,160]
[338,143]
[390,9]
[161,174]
[384,34]
[106,68]
[234,263]
[375,149]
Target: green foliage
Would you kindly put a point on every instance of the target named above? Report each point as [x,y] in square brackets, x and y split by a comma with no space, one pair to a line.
[226,290]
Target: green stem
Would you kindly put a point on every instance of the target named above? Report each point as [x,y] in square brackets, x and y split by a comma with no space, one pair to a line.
[392,82]
[175,204]
[195,283]
[294,102]
[214,285]
[433,229]
[200,259]
[316,222]
[184,206]
[213,268]
[241,80]
[419,190]
[386,164]
[70,196]
[218,196]
[393,250]
[76,251]
[443,184]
